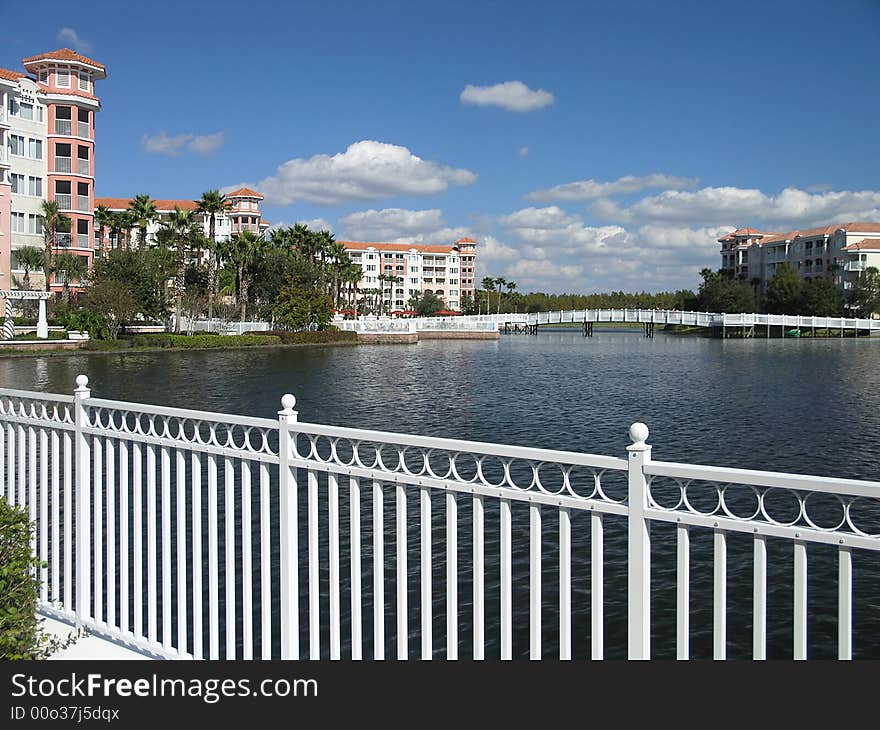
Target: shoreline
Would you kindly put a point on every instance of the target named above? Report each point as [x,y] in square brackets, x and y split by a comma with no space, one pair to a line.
[140,350]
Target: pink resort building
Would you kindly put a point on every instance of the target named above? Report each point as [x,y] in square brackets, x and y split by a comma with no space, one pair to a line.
[448,271]
[47,152]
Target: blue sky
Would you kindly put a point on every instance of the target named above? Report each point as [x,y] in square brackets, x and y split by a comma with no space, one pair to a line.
[586,145]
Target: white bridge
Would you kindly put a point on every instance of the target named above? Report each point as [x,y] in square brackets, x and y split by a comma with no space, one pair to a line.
[189,534]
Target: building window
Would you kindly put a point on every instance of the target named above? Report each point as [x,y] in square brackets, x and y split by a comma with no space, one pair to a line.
[35,186]
[18,223]
[17,183]
[35,149]
[16,144]
[43,77]
[62,78]
[83,82]
[35,223]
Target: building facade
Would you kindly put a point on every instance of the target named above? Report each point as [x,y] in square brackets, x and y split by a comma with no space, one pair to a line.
[47,152]
[243,214]
[447,271]
[835,251]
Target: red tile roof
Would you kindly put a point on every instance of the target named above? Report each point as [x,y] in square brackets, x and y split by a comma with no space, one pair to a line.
[866,244]
[5,73]
[161,205]
[244,193]
[861,227]
[402,247]
[64,54]
[465,240]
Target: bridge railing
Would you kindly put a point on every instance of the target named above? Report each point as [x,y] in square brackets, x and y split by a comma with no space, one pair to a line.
[206,535]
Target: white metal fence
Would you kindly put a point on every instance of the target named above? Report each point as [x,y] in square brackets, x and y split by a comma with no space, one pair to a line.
[207,535]
[416,324]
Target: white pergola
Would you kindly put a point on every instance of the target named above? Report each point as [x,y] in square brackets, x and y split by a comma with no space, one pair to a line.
[11,295]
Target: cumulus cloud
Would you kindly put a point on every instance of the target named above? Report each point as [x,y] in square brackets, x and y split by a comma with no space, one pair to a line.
[172,146]
[399,225]
[314,224]
[367,170]
[791,208]
[591,189]
[514,96]
[71,37]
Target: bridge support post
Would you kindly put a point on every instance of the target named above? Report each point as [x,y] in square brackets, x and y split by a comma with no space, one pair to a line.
[638,548]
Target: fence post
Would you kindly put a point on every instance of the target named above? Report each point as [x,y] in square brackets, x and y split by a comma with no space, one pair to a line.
[289,561]
[639,548]
[82,499]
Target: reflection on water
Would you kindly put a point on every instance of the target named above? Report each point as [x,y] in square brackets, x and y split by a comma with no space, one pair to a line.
[810,406]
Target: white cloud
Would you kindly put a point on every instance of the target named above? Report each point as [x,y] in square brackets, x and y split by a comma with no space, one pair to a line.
[523,151]
[591,189]
[171,146]
[367,170]
[514,96]
[399,225]
[314,224]
[69,35]
[791,208]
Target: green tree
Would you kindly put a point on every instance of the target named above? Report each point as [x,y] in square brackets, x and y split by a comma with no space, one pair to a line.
[785,291]
[718,294]
[71,268]
[488,287]
[302,303]
[500,282]
[181,227]
[103,220]
[28,258]
[241,251]
[212,203]
[145,273]
[143,212]
[426,304]
[54,221]
[821,298]
[114,301]
[864,296]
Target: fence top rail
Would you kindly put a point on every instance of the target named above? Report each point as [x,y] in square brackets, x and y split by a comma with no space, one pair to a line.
[35,395]
[182,413]
[523,453]
[770,479]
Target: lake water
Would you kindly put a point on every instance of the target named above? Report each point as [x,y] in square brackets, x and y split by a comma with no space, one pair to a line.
[809,406]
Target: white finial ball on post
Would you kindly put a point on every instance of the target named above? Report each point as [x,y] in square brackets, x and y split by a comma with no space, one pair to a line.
[82,382]
[288,401]
[638,432]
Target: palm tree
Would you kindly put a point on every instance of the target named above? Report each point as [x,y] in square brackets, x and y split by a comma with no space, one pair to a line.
[121,223]
[241,251]
[143,212]
[53,221]
[180,227]
[511,286]
[103,219]
[71,267]
[211,203]
[488,286]
[28,258]
[500,282]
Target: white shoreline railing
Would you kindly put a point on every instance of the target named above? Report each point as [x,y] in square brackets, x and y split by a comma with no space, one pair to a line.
[205,535]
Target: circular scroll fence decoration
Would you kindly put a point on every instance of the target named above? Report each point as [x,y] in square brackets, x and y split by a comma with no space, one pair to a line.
[38,410]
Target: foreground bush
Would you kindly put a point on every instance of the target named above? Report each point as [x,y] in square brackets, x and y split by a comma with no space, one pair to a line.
[198,341]
[21,635]
[313,338]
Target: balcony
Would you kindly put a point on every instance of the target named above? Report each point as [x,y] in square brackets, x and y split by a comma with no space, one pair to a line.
[63,126]
[82,203]
[854,266]
[64,201]
[63,240]
[63,164]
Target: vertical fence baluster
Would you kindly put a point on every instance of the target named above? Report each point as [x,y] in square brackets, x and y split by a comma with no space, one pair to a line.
[56,515]
[479,593]
[213,508]
[451,576]
[844,603]
[289,548]
[719,582]
[265,565]
[229,552]
[597,586]
[98,525]
[197,559]
[800,600]
[333,537]
[638,548]
[759,599]
[165,460]
[44,554]
[11,470]
[426,582]
[138,531]
[314,586]
[32,486]
[402,624]
[378,573]
[110,481]
[123,534]
[22,466]
[682,608]
[564,584]
[355,552]
[506,581]
[151,543]
[247,579]
[82,459]
[182,622]
[534,581]
[69,489]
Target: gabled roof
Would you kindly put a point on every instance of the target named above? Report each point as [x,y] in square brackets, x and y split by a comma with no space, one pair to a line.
[64,54]
[866,244]
[860,227]
[244,193]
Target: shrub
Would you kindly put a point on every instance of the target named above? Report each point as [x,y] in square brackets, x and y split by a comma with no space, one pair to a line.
[194,341]
[103,345]
[21,634]
[315,337]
